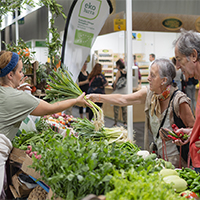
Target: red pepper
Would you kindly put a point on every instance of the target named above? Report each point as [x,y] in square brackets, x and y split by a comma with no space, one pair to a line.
[171,137]
[175,128]
[189,195]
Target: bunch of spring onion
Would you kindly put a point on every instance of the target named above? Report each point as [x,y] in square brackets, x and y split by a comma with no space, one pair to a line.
[62,87]
[86,130]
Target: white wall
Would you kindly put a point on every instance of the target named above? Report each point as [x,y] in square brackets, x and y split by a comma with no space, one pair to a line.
[159,43]
[41,54]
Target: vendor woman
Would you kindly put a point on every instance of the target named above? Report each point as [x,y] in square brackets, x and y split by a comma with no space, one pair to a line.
[16,105]
[157,97]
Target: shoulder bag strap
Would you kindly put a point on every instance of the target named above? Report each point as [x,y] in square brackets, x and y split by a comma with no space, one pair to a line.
[163,120]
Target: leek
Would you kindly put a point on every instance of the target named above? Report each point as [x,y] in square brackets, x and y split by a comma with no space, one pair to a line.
[63,87]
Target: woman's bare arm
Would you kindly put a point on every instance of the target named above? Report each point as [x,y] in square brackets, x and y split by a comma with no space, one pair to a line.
[120,99]
[45,108]
[186,115]
[83,82]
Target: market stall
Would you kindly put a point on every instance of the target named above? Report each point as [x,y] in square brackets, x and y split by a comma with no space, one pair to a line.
[70,158]
[89,165]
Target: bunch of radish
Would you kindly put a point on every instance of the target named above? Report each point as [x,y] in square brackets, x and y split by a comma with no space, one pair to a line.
[61,118]
[31,153]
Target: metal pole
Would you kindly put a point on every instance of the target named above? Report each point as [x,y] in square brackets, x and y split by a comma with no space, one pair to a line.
[49,26]
[49,23]
[0,39]
[16,26]
[129,58]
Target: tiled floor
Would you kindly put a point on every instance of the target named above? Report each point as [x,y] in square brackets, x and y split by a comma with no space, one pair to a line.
[137,126]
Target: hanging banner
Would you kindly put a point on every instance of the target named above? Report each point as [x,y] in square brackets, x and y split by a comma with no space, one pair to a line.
[84,22]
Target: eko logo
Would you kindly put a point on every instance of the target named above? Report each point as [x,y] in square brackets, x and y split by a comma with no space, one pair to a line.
[90,9]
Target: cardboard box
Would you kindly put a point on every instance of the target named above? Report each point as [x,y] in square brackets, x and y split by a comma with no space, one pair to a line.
[22,189]
[17,155]
[30,171]
[14,193]
[50,195]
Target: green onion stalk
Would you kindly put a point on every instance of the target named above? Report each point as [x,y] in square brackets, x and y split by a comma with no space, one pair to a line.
[62,87]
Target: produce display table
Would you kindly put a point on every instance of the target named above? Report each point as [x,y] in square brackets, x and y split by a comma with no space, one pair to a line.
[92,164]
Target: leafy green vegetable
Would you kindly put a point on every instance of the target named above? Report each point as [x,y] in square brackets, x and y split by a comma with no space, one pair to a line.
[131,185]
[74,168]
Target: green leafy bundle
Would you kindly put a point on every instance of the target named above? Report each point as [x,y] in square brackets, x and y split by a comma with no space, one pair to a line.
[63,87]
[139,186]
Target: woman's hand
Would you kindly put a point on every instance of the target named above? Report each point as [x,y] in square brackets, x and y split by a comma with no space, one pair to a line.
[176,141]
[163,135]
[179,142]
[187,131]
[83,82]
[24,86]
[80,101]
[93,97]
[114,86]
[23,80]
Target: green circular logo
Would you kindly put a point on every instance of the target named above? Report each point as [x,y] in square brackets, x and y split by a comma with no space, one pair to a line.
[172,23]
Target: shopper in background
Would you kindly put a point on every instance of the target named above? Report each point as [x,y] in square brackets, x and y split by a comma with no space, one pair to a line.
[97,83]
[84,85]
[139,74]
[187,53]
[16,105]
[152,57]
[157,97]
[120,73]
[177,79]
[191,90]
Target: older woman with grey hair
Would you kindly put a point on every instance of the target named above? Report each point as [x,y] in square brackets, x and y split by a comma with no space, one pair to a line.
[161,98]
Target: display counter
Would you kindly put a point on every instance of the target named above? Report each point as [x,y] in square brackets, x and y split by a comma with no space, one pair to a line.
[138,109]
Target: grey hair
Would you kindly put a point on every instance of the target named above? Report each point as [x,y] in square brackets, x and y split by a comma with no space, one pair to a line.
[166,69]
[187,41]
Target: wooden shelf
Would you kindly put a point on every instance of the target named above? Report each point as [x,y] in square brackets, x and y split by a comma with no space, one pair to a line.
[144,74]
[105,58]
[143,67]
[144,71]
[33,75]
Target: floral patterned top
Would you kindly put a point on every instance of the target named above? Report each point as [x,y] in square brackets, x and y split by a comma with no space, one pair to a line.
[97,85]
